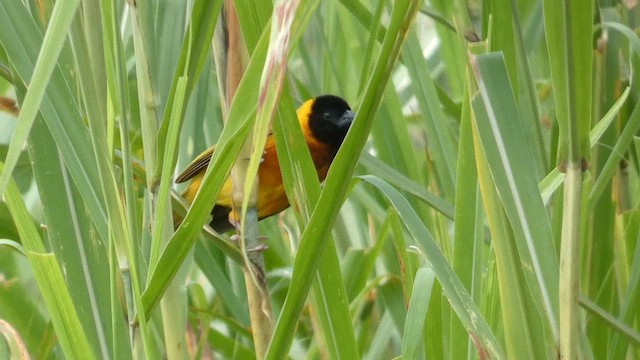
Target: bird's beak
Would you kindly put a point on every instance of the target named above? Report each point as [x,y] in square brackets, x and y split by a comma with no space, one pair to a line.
[346,119]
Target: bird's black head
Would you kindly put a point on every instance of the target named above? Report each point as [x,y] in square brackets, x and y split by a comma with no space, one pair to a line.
[330,119]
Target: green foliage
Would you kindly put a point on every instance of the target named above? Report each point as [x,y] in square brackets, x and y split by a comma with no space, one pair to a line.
[485,204]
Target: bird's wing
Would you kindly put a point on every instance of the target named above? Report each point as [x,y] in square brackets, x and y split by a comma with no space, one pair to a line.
[198,165]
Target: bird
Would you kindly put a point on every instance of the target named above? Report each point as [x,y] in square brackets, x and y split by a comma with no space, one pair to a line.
[324,121]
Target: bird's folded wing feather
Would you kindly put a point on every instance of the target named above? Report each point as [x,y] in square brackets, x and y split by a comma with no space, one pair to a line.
[198,165]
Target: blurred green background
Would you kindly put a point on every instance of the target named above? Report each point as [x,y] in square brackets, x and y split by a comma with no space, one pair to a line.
[485,205]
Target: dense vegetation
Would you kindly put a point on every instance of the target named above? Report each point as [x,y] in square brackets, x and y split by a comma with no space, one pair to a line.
[485,203]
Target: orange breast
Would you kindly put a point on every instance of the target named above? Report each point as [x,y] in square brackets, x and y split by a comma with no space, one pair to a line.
[272,197]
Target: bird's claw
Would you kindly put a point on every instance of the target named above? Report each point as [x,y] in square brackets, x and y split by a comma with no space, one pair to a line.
[259,248]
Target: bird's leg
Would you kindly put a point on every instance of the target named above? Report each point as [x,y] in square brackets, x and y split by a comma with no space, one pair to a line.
[261,247]
[234,219]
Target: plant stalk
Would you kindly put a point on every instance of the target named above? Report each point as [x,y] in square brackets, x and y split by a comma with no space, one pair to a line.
[570,262]
[254,274]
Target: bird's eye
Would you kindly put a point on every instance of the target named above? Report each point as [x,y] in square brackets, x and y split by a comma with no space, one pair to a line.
[326,116]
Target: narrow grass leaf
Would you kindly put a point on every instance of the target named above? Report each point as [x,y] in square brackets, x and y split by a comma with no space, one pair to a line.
[520,317]
[72,238]
[214,269]
[631,298]
[630,334]
[271,82]
[54,39]
[223,158]
[254,18]
[383,335]
[17,347]
[418,306]
[48,274]
[528,99]
[468,227]
[394,177]
[622,145]
[143,46]
[183,239]
[302,186]
[633,38]
[14,245]
[325,212]
[509,161]
[452,48]
[193,54]
[58,107]
[458,297]
[555,178]
[161,229]
[301,183]
[440,140]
